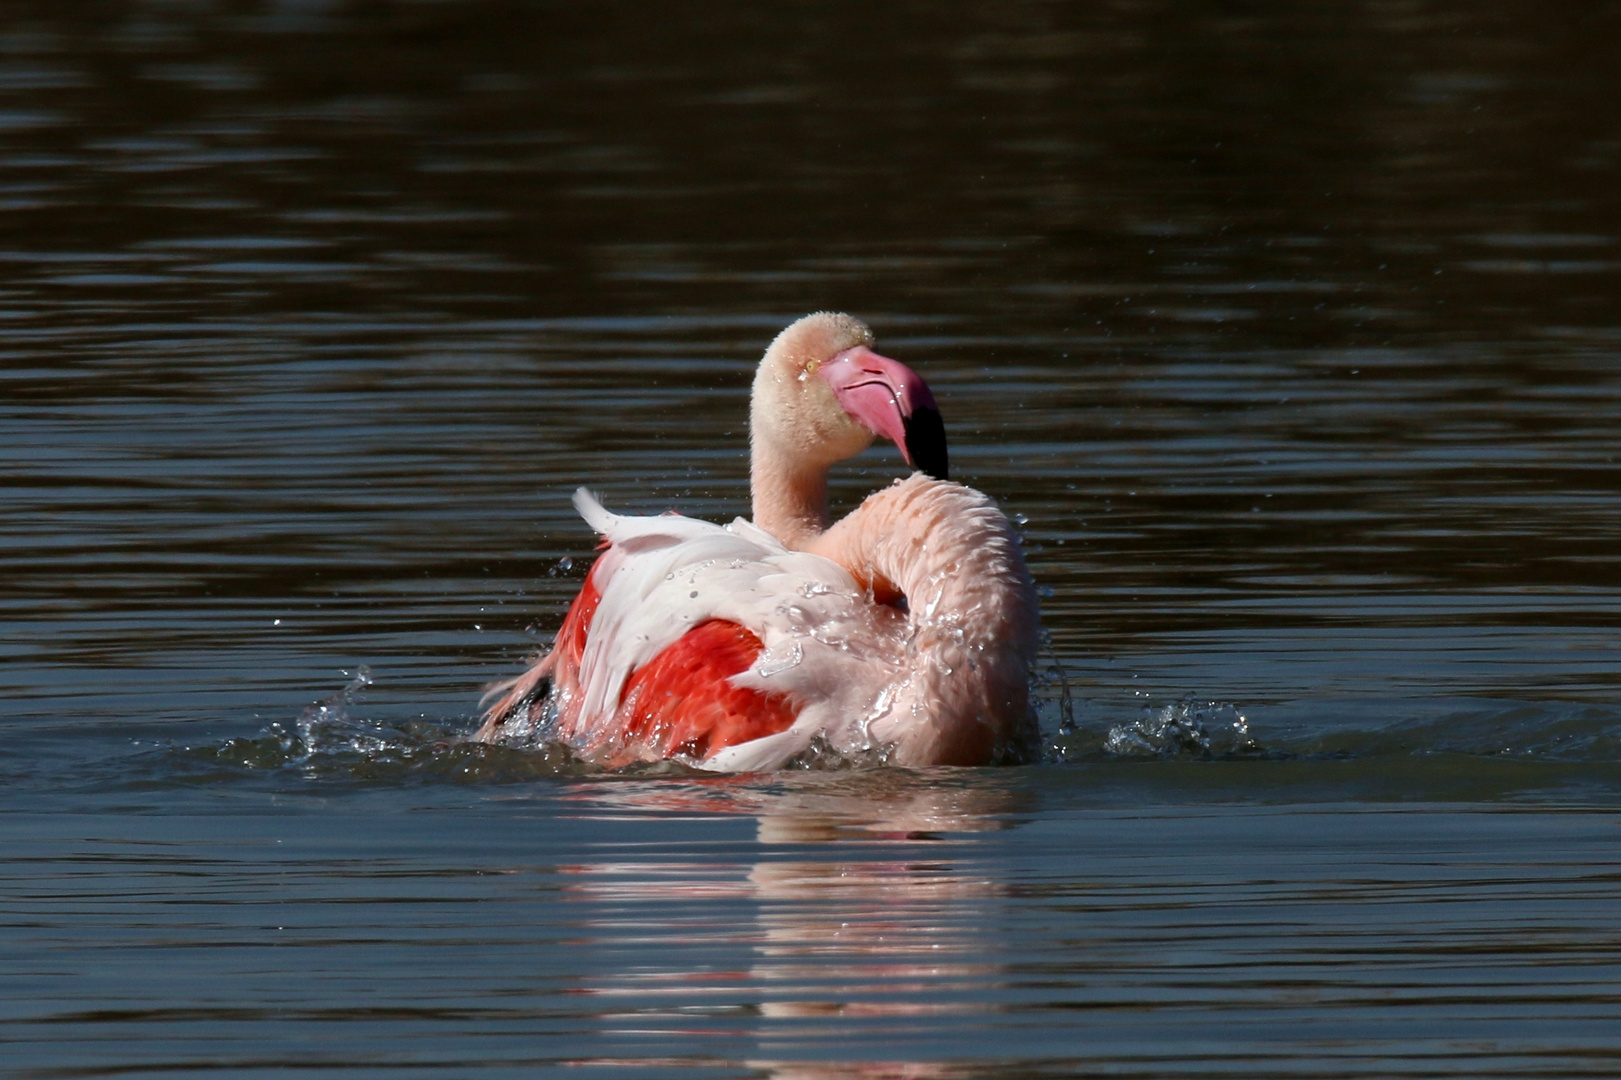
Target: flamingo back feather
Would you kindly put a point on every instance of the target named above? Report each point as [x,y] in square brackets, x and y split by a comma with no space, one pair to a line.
[724,648]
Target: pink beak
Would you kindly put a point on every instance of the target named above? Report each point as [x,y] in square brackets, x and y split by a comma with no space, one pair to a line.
[888,398]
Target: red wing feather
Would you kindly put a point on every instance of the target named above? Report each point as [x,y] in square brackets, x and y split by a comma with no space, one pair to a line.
[683,701]
[570,643]
[680,702]
[561,665]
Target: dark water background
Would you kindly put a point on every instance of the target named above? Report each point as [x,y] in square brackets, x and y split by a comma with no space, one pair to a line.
[1292,329]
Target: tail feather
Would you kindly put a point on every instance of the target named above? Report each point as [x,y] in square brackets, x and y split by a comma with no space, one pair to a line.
[592,510]
[514,694]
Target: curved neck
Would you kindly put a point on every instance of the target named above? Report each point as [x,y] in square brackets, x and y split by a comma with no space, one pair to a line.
[790,501]
[972,614]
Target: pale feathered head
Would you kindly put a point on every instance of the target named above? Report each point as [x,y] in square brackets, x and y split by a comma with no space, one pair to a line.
[821,395]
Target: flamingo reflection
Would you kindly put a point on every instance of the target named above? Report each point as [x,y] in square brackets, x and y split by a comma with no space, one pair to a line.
[863,898]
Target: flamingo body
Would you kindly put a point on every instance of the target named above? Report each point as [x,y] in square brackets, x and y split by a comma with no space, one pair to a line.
[681,703]
[723,648]
[905,632]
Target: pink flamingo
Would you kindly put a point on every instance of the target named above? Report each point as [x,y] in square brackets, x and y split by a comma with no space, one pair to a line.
[905,632]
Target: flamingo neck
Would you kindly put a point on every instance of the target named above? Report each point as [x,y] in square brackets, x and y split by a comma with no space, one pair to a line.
[972,614]
[790,500]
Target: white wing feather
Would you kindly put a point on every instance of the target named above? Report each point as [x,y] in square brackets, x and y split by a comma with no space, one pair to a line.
[827,646]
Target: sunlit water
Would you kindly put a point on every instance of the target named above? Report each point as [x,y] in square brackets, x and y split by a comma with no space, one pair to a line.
[1292,338]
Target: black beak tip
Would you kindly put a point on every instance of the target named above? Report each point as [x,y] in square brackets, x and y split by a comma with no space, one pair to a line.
[926,443]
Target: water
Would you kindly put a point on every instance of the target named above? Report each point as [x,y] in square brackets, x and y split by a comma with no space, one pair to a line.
[1291,331]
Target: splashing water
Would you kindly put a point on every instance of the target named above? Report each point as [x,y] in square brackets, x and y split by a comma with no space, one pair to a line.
[329,740]
[822,756]
[772,663]
[1188,728]
[328,726]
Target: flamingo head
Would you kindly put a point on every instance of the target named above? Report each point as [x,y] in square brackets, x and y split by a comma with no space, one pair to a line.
[822,394]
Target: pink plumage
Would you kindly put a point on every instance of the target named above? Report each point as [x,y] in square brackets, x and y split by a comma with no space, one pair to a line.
[904,633]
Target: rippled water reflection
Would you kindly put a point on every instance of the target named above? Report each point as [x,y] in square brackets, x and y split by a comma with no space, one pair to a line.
[1291,333]
[872,924]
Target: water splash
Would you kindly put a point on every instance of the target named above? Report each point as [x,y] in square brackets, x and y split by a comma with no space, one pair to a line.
[1049,690]
[1053,705]
[330,740]
[822,756]
[328,726]
[772,663]
[1188,728]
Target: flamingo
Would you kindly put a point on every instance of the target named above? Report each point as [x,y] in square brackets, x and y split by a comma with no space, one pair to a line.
[904,633]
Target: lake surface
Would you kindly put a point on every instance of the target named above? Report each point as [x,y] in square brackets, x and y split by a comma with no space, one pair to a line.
[1290,333]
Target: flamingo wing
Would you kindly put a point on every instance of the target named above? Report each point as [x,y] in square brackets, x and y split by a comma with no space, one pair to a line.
[684,704]
[714,645]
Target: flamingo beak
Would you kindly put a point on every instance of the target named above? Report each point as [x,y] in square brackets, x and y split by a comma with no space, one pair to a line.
[888,398]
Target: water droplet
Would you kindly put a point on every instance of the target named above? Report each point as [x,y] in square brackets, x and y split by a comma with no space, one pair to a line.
[769,664]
